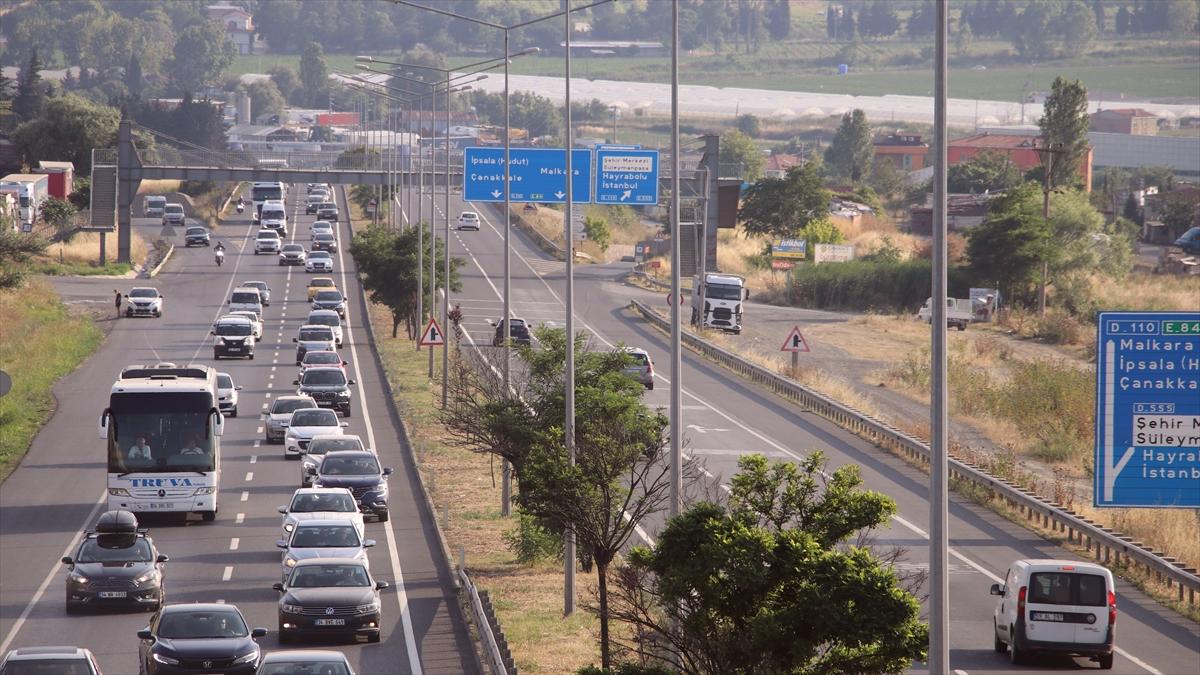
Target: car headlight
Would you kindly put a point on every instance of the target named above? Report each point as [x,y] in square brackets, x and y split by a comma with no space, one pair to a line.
[78,579]
[289,561]
[205,490]
[150,575]
[345,393]
[369,608]
[118,492]
[164,659]
[289,527]
[247,658]
[292,609]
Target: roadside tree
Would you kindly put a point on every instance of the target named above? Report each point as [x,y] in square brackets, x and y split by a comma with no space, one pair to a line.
[202,54]
[387,262]
[739,149]
[67,128]
[314,75]
[850,152]
[1066,121]
[985,172]
[782,207]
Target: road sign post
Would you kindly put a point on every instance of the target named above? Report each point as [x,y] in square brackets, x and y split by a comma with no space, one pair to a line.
[1147,410]
[626,176]
[795,343]
[535,175]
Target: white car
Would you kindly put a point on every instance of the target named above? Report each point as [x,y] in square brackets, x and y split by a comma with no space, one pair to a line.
[306,423]
[319,227]
[143,301]
[267,241]
[325,538]
[321,503]
[317,448]
[319,261]
[326,317]
[468,220]
[227,394]
[280,415]
[255,321]
[1056,606]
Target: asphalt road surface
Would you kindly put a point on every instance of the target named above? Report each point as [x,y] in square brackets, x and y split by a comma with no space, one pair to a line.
[726,417]
[59,488]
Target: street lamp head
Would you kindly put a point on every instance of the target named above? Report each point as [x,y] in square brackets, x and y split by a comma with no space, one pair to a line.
[363,59]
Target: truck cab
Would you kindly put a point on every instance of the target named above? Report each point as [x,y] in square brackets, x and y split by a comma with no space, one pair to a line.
[722,295]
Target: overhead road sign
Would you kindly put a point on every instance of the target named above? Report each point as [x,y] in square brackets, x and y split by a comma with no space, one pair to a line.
[433,336]
[1148,410]
[626,176]
[535,175]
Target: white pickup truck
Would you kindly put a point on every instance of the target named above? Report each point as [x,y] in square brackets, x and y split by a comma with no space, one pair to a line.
[959,312]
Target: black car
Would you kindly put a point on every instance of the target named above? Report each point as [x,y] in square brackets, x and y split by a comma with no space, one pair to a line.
[327,211]
[324,242]
[116,565]
[49,660]
[199,638]
[359,471]
[519,333]
[196,236]
[328,387]
[329,596]
[330,300]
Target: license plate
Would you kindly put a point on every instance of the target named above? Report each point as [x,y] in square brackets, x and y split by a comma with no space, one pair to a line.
[1047,616]
[330,622]
[112,594]
[154,507]
[235,349]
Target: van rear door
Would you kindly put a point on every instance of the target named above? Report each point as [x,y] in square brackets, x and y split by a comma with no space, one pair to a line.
[1053,612]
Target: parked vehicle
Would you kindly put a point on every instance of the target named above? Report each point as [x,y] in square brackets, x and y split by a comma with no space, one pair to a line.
[723,295]
[1190,241]
[959,312]
[31,191]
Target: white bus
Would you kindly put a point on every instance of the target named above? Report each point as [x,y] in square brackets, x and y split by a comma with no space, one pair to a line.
[264,192]
[163,430]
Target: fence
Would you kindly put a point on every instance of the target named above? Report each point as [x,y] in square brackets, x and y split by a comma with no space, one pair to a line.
[495,646]
[1108,547]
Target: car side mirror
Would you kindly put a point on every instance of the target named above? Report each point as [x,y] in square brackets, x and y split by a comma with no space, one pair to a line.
[295,340]
[345,363]
[145,634]
[212,332]
[387,471]
[238,388]
[996,589]
[351,382]
[277,586]
[296,382]
[162,558]
[310,469]
[747,291]
[491,323]
[380,585]
[282,509]
[281,544]
[66,560]
[368,543]
[259,632]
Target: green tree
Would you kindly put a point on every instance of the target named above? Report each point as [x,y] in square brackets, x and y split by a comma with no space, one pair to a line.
[987,171]
[1123,21]
[16,249]
[1079,27]
[1033,34]
[963,38]
[1132,211]
[782,207]
[779,19]
[265,97]
[774,582]
[387,262]
[314,74]
[57,212]
[1178,215]
[739,149]
[357,157]
[1100,15]
[134,79]
[597,231]
[1182,17]
[287,82]
[748,124]
[923,20]
[1066,122]
[31,89]
[67,129]
[850,153]
[202,54]
[821,231]
[533,113]
[1008,247]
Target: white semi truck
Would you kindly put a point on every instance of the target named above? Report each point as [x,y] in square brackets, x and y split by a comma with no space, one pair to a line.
[30,191]
[722,295]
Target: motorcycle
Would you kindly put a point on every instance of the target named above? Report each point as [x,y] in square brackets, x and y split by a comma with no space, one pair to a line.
[220,257]
[240,208]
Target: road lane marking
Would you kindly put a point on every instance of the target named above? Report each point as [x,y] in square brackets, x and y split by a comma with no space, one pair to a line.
[264,406]
[245,495]
[258,430]
[234,543]
[241,518]
[228,573]
[249,476]
[254,458]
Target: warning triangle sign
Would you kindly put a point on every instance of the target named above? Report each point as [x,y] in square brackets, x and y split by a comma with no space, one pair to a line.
[432,337]
[795,342]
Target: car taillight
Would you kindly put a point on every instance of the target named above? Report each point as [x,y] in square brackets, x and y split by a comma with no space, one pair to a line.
[649,368]
[1021,601]
[1112,608]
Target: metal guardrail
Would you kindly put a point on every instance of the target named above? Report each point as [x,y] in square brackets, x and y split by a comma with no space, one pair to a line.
[1108,547]
[495,646]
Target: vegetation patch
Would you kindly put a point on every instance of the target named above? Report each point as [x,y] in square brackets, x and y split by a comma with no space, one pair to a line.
[41,342]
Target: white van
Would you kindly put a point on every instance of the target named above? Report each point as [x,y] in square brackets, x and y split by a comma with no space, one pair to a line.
[246,299]
[152,206]
[274,217]
[1056,606]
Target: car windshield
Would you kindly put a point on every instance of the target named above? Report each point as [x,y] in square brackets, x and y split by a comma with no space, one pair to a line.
[325,576]
[268,234]
[143,293]
[314,418]
[325,536]
[316,335]
[323,377]
[272,214]
[59,666]
[281,406]
[723,292]
[196,230]
[114,549]
[322,358]
[349,466]
[224,381]
[303,668]
[321,283]
[326,321]
[324,236]
[316,502]
[293,248]
[246,298]
[329,296]
[233,329]
[320,254]
[260,285]
[174,208]
[324,445]
[202,625]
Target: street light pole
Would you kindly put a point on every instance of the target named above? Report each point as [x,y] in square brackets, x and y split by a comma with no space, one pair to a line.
[569,385]
[505,467]
[446,258]
[676,354]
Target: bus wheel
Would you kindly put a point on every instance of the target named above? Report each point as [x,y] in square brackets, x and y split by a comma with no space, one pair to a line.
[209,516]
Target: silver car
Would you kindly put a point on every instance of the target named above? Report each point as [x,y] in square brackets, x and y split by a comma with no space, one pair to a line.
[280,415]
[332,538]
[321,504]
[641,368]
[318,446]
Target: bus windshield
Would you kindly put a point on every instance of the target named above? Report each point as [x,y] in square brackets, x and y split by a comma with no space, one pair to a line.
[161,432]
[261,193]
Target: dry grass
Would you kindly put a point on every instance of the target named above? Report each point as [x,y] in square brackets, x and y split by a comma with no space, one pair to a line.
[1145,292]
[528,599]
[85,247]
[154,187]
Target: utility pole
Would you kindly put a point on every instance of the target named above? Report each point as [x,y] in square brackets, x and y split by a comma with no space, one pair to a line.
[1046,154]
[676,354]
[569,391]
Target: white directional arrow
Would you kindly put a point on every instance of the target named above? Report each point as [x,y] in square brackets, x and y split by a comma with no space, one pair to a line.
[560,194]
[626,194]
[703,430]
[496,193]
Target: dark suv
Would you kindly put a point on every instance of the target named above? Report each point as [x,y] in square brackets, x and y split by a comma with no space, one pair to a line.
[519,333]
[328,387]
[359,471]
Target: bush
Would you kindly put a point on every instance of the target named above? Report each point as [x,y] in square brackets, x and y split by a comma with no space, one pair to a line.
[531,543]
[626,668]
[866,285]
[196,188]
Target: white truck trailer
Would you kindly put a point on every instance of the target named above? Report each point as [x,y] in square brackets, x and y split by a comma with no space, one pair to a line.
[722,295]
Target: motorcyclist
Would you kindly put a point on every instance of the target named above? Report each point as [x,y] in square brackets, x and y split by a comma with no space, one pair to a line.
[219,251]
[241,204]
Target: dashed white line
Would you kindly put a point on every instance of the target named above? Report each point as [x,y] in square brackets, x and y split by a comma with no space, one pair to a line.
[245,495]
[258,430]
[256,444]
[234,543]
[228,573]
[264,406]
[254,458]
[249,476]
[241,518]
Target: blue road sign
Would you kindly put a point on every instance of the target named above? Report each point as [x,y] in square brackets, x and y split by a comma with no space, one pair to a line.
[626,176]
[1148,410]
[535,175]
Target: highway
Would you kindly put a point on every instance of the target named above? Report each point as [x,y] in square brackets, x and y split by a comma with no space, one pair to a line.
[60,487]
[727,417]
